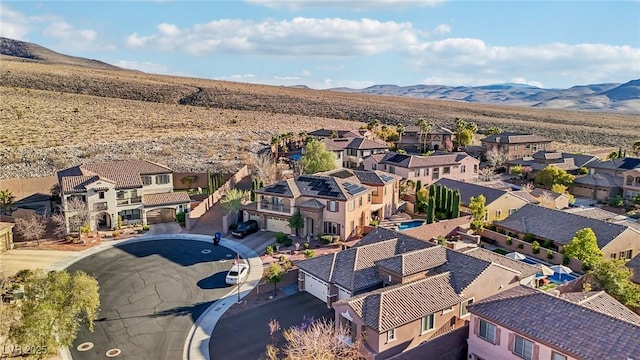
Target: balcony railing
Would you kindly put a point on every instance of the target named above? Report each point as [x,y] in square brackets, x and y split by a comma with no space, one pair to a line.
[100,206]
[129,201]
[278,208]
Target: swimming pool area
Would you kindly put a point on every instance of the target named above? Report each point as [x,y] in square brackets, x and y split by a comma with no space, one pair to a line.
[410,224]
[555,278]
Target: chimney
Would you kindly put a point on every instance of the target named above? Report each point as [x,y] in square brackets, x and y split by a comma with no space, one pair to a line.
[524,225]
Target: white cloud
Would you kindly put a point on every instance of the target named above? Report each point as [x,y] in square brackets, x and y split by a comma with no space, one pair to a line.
[441,29]
[149,67]
[293,80]
[522,80]
[72,39]
[356,5]
[299,37]
[13,24]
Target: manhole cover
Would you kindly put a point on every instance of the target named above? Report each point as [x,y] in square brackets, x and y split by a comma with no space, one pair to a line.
[229,256]
[206,251]
[222,260]
[113,353]
[85,346]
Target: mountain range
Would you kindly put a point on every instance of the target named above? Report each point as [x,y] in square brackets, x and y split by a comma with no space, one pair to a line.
[597,97]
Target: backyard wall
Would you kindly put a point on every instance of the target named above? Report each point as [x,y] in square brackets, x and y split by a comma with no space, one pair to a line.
[527,249]
[201,180]
[212,199]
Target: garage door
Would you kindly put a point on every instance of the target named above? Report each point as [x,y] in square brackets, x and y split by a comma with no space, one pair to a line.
[161,216]
[315,287]
[278,225]
[343,294]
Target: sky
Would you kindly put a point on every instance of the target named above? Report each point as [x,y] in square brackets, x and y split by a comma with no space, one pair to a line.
[350,43]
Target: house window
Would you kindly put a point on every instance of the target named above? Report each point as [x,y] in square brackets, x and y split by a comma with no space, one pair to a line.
[385,190]
[486,215]
[352,226]
[373,167]
[463,169]
[447,170]
[426,172]
[622,255]
[487,331]
[368,198]
[475,169]
[523,348]
[629,180]
[331,228]
[120,194]
[333,206]
[360,202]
[512,210]
[528,146]
[392,169]
[391,335]
[146,180]
[436,174]
[629,254]
[162,179]
[556,356]
[463,307]
[352,204]
[428,323]
[133,214]
[447,310]
[498,214]
[101,195]
[613,256]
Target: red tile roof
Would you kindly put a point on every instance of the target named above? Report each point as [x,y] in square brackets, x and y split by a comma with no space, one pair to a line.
[173,198]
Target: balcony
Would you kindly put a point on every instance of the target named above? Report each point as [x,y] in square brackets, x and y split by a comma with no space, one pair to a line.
[100,206]
[280,208]
[129,201]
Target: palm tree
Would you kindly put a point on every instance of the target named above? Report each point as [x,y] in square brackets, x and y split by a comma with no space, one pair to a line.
[233,200]
[6,200]
[400,130]
[425,128]
[636,147]
[275,145]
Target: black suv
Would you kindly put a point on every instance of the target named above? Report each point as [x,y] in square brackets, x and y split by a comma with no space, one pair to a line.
[245,228]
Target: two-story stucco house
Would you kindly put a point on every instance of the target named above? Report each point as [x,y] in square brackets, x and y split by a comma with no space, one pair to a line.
[605,179]
[351,151]
[631,183]
[617,241]
[335,203]
[426,169]
[499,203]
[515,145]
[524,323]
[413,139]
[395,292]
[136,191]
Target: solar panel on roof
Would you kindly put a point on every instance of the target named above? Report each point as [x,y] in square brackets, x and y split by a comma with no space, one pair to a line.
[333,194]
[398,158]
[305,179]
[386,177]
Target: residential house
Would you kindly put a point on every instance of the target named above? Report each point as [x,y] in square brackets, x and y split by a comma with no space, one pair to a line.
[413,139]
[634,266]
[136,191]
[335,204]
[499,203]
[426,169]
[395,292]
[336,133]
[571,163]
[614,167]
[385,194]
[545,198]
[598,186]
[6,236]
[515,145]
[631,183]
[351,151]
[615,240]
[524,323]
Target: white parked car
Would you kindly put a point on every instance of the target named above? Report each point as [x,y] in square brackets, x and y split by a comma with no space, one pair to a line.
[237,274]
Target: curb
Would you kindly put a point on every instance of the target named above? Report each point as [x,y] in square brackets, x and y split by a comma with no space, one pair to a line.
[196,345]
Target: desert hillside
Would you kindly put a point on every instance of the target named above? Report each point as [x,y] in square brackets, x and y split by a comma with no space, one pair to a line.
[55,113]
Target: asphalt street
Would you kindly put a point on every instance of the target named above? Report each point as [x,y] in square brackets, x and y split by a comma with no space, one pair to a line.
[246,335]
[151,294]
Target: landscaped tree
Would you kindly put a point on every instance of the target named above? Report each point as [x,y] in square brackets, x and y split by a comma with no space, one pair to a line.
[55,305]
[584,247]
[493,131]
[614,277]
[317,158]
[554,175]
[425,128]
[636,199]
[233,200]
[464,132]
[296,222]
[400,129]
[6,200]
[516,171]
[562,189]
[431,210]
[636,147]
[31,228]
[265,168]
[455,210]
[319,339]
[496,157]
[189,180]
[478,209]
[273,273]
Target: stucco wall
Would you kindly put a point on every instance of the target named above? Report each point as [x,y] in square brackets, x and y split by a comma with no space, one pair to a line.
[503,203]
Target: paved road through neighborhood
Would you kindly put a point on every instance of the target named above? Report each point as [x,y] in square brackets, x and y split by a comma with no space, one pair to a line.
[151,294]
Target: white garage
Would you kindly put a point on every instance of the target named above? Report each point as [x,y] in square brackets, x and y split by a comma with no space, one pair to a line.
[343,294]
[278,224]
[315,287]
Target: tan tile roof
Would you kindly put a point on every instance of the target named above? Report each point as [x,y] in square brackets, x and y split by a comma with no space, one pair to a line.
[393,306]
[602,302]
[172,198]
[523,268]
[440,228]
[415,261]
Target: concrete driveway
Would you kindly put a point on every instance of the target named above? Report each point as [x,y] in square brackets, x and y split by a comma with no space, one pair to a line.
[151,295]
[246,335]
[257,241]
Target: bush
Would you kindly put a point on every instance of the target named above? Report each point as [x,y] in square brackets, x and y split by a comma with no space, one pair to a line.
[549,254]
[181,217]
[335,239]
[535,248]
[282,258]
[146,228]
[565,260]
[528,237]
[616,201]
[520,246]
[547,244]
[281,237]
[374,222]
[501,231]
[309,254]
[287,242]
[305,246]
[116,233]
[509,240]
[327,239]
[139,231]
[269,250]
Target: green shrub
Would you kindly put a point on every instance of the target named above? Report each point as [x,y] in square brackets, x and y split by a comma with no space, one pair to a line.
[335,239]
[528,237]
[565,260]
[509,240]
[547,244]
[287,242]
[305,246]
[520,246]
[535,247]
[309,254]
[501,231]
[282,258]
[139,231]
[116,233]
[549,254]
[146,228]
[327,239]
[180,217]
[269,250]
[374,222]
[616,201]
[281,237]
